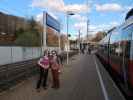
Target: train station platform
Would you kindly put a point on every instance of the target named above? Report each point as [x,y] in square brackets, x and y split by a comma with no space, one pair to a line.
[84,78]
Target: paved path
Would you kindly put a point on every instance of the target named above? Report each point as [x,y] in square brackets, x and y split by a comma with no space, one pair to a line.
[79,81]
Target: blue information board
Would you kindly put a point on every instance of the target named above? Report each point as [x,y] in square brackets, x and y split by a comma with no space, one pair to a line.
[50,21]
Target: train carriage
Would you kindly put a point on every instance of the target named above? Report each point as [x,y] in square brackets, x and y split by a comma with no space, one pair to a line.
[116,51]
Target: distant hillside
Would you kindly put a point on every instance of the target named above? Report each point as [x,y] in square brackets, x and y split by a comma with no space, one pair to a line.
[19,31]
[9,23]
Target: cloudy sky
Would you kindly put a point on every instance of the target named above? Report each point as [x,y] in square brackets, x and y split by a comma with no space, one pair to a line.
[102,14]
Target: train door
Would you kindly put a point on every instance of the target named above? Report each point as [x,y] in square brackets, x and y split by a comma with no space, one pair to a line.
[125,59]
[131,64]
[116,52]
[126,44]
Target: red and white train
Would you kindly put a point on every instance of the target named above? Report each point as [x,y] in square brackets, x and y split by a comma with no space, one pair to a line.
[116,51]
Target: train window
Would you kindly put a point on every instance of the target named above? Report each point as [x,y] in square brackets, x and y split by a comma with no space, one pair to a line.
[115,43]
[116,36]
[131,33]
[116,49]
[106,44]
[127,36]
[127,32]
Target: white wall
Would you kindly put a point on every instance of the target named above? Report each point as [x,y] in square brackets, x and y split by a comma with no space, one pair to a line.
[14,54]
[17,54]
[5,55]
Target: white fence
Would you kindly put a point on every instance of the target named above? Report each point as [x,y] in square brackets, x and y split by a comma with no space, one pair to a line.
[15,54]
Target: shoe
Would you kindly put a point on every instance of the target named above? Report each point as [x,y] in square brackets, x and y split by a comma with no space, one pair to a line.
[55,87]
[52,86]
[45,88]
[38,90]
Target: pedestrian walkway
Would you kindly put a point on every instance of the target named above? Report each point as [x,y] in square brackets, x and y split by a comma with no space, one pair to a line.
[79,81]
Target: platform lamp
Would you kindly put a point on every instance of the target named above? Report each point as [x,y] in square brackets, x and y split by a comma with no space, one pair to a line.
[68,13]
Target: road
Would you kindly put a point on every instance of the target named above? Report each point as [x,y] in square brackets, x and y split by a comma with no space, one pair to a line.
[84,78]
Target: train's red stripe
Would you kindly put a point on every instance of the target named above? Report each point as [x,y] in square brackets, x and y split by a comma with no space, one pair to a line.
[115,67]
[131,72]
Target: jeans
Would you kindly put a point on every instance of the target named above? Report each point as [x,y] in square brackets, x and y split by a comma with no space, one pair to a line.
[43,76]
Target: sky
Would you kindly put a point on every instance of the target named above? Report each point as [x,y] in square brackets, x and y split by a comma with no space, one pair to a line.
[102,14]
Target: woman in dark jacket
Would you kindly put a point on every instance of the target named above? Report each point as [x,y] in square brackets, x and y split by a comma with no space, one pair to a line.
[55,68]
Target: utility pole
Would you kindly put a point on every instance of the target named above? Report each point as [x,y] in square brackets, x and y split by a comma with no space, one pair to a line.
[87,14]
[87,27]
[67,40]
[79,41]
[88,22]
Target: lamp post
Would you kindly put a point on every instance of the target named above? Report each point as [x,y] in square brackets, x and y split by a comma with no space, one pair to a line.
[69,13]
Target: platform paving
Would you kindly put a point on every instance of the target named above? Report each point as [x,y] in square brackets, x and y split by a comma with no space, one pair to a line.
[79,81]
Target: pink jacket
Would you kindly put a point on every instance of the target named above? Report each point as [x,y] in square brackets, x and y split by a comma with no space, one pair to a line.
[44,62]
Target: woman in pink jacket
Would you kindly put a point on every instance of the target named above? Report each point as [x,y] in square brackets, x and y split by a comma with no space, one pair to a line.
[44,67]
